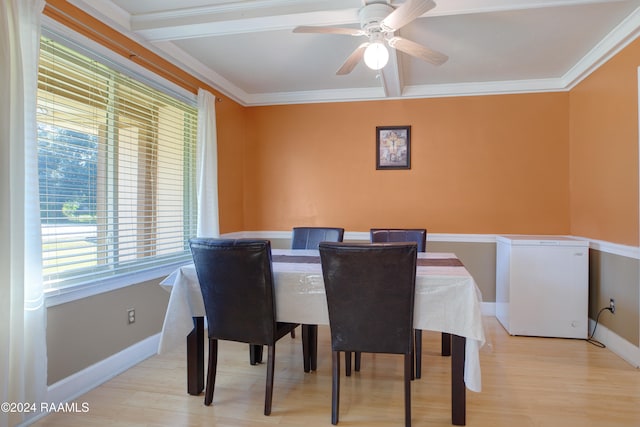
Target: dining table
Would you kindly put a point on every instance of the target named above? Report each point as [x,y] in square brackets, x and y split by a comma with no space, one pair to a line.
[447,300]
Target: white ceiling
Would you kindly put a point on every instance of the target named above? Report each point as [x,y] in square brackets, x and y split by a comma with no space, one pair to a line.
[246,49]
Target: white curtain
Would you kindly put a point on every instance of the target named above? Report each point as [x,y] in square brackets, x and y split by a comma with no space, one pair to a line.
[207,168]
[23,356]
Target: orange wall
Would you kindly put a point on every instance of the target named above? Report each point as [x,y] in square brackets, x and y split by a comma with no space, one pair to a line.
[489,164]
[604,151]
[231,125]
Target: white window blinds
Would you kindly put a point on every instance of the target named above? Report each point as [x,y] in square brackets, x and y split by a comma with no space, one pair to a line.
[117,170]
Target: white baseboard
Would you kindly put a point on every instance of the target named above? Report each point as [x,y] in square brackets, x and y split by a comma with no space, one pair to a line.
[76,385]
[488,309]
[618,345]
[81,382]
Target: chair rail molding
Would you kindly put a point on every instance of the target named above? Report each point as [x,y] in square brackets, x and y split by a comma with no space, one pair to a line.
[599,245]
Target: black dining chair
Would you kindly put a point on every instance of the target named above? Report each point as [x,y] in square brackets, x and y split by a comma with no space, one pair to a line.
[310,238]
[419,236]
[236,281]
[370,291]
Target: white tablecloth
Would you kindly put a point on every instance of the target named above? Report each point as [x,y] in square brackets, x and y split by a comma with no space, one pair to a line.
[447,300]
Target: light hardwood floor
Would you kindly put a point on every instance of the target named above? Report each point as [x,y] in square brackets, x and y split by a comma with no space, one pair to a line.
[541,382]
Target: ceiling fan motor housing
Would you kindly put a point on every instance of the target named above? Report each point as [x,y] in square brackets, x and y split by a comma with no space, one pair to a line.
[372,15]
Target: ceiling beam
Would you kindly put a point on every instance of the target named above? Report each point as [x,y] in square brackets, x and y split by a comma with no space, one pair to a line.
[389,76]
[177,31]
[239,18]
[272,15]
[461,7]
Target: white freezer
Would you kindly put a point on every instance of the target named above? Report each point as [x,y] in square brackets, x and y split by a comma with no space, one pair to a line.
[542,285]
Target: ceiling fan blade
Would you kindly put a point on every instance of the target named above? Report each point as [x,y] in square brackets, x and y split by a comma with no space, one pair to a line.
[405,13]
[328,30]
[418,50]
[352,60]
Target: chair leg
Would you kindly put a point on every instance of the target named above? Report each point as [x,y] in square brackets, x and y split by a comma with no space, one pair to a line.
[418,338]
[268,395]
[413,357]
[408,364]
[310,347]
[306,348]
[252,355]
[313,346]
[255,354]
[293,333]
[335,387]
[347,361]
[211,371]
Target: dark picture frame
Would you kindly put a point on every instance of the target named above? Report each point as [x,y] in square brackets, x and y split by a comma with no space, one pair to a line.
[393,147]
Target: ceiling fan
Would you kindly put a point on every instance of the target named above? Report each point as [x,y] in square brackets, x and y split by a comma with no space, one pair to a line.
[378,22]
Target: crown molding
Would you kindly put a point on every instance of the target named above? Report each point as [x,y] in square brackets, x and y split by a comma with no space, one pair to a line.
[626,32]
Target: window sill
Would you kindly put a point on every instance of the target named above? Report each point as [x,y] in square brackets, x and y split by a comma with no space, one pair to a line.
[59,296]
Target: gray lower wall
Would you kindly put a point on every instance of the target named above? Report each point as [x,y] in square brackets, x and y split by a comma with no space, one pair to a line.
[84,332]
[617,277]
[478,258]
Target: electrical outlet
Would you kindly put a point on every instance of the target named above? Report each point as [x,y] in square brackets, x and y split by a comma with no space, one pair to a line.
[131,315]
[612,305]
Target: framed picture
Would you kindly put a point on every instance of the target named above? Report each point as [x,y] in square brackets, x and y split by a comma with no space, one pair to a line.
[393,147]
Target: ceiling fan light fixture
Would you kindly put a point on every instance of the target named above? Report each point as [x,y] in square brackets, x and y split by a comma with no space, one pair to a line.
[376,55]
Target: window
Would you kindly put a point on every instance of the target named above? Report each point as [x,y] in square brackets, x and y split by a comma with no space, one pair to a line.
[117,171]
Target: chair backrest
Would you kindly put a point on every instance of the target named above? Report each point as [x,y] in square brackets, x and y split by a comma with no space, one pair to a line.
[370,294]
[382,235]
[236,280]
[310,237]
